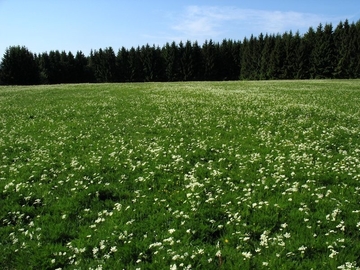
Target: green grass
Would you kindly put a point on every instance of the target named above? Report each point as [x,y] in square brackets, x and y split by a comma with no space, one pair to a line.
[221,175]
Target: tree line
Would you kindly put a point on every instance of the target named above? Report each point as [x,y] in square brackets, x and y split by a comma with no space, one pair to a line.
[324,52]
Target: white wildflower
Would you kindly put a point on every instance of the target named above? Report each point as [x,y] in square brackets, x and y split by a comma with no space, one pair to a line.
[247,255]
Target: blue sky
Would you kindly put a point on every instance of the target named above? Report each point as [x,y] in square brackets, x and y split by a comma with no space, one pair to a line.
[45,25]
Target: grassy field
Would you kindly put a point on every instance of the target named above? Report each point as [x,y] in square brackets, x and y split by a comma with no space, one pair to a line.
[223,175]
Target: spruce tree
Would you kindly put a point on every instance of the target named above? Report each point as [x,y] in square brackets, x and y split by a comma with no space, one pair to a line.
[172,61]
[152,63]
[289,68]
[211,60]
[229,60]
[251,57]
[197,62]
[269,43]
[159,64]
[324,52]
[277,57]
[299,60]
[357,50]
[135,65]
[104,65]
[18,66]
[306,51]
[122,65]
[67,64]
[187,62]
[342,59]
[181,67]
[80,68]
[43,64]
[353,52]
[244,58]
[109,64]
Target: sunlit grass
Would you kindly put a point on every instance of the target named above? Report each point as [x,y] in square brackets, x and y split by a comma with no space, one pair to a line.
[226,175]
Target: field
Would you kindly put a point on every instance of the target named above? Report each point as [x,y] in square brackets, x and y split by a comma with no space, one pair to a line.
[200,175]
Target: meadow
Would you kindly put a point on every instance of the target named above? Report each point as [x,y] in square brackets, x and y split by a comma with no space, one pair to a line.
[189,175]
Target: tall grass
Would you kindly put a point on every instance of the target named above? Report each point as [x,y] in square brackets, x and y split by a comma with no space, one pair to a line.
[220,175]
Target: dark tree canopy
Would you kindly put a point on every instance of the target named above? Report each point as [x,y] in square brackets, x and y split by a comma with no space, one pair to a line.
[324,52]
[18,66]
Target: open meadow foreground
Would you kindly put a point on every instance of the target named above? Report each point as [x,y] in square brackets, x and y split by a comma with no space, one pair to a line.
[196,175]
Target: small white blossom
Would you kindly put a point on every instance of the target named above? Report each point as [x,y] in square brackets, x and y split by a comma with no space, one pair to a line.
[247,255]
[333,253]
[302,249]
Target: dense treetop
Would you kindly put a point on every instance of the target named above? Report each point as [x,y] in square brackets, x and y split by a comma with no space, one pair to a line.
[324,52]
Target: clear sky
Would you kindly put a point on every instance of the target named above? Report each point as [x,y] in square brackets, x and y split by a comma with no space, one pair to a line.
[73,25]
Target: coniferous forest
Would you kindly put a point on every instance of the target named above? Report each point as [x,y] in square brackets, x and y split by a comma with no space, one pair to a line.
[322,53]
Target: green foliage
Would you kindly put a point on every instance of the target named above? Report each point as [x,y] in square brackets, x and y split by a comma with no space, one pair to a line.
[211,60]
[172,64]
[200,175]
[323,53]
[82,70]
[229,52]
[103,64]
[153,66]
[18,66]
[122,64]
[135,65]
